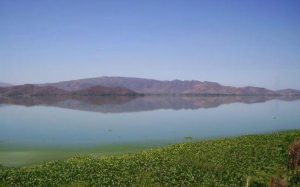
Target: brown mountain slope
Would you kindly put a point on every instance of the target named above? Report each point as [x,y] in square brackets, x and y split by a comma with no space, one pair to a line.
[105,91]
[33,90]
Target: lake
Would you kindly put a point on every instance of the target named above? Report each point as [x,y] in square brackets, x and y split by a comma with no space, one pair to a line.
[38,129]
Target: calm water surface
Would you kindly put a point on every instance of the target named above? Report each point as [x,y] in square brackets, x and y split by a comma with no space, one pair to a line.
[33,130]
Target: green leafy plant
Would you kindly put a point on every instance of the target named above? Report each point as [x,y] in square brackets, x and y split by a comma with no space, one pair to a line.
[252,160]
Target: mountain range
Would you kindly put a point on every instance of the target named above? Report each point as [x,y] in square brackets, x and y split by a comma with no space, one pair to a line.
[102,86]
[151,86]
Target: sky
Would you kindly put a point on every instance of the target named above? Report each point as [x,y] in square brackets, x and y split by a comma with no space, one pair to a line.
[233,42]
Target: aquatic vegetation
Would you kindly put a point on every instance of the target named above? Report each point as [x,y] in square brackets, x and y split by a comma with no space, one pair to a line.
[12,156]
[252,160]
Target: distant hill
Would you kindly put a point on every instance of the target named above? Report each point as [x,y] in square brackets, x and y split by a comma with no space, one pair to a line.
[151,86]
[34,90]
[2,84]
[31,90]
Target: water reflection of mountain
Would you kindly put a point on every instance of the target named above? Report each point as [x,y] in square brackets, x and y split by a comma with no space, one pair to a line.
[134,104]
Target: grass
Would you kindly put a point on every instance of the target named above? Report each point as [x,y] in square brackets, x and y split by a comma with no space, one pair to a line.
[252,159]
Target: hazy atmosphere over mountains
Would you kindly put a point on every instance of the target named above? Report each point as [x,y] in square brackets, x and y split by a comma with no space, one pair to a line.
[238,43]
[2,84]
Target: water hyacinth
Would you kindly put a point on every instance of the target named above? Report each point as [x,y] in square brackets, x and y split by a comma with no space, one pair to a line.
[248,160]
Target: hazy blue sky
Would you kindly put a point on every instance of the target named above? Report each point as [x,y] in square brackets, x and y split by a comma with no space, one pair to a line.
[234,42]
